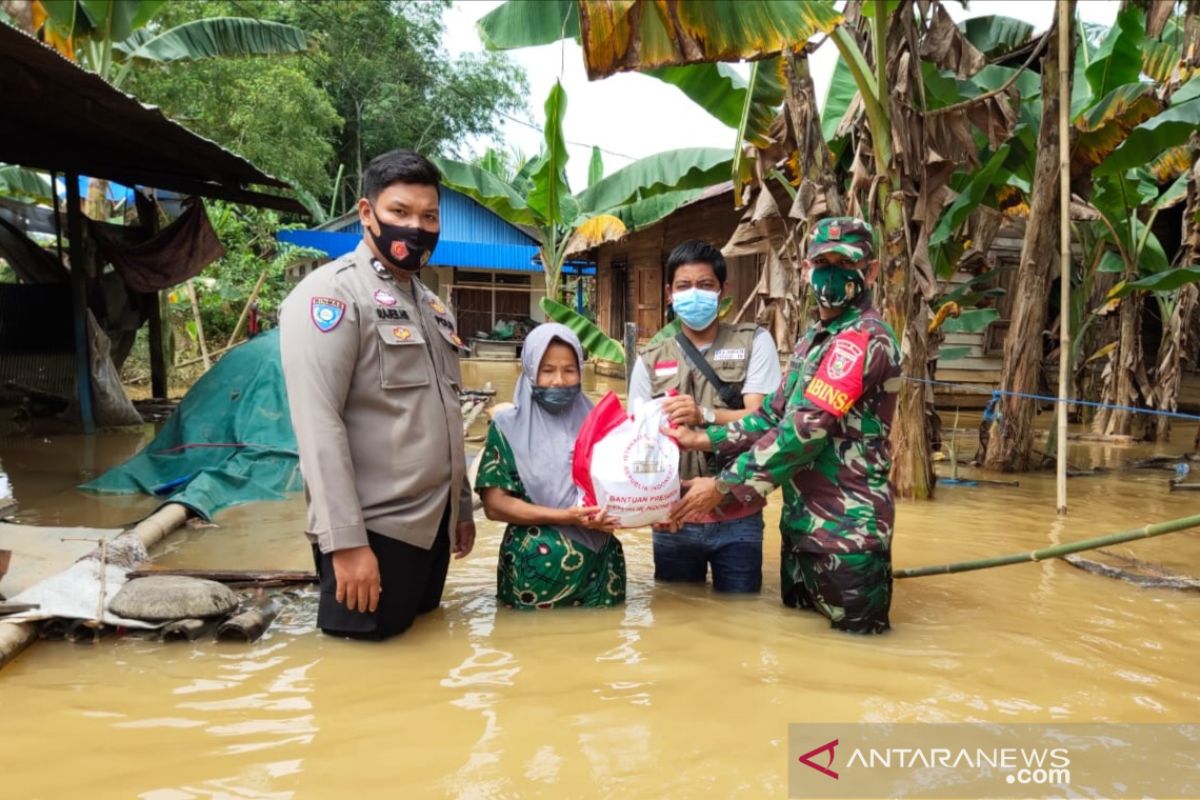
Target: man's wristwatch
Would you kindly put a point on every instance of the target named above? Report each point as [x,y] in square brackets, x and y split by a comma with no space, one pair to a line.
[708,415]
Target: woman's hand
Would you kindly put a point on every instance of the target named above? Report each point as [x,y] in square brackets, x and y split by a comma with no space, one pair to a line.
[590,517]
[689,438]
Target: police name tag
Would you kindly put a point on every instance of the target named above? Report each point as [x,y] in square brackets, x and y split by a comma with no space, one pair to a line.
[730,354]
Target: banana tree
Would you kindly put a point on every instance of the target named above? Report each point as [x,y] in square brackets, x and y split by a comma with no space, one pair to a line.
[631,198]
[1134,136]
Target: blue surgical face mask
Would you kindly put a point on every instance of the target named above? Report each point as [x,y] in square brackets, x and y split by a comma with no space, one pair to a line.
[697,308]
[555,399]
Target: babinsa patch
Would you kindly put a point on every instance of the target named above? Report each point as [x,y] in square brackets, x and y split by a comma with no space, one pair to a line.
[326,313]
[838,384]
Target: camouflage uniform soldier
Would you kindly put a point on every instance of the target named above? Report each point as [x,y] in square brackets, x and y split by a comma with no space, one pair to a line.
[823,436]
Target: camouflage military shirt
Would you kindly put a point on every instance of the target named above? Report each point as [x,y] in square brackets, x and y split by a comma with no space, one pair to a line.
[823,436]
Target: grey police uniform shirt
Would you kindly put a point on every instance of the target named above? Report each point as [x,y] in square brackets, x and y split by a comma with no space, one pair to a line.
[372,374]
[763,373]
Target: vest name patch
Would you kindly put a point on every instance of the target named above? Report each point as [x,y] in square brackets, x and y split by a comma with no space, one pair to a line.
[838,384]
[730,354]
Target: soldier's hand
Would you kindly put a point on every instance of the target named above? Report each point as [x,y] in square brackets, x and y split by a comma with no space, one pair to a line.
[688,438]
[682,409]
[357,572]
[701,498]
[464,538]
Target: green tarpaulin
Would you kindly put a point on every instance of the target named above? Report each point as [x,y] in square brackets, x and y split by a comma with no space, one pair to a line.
[229,442]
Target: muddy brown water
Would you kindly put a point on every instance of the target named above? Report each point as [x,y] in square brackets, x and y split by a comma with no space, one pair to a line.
[679,693]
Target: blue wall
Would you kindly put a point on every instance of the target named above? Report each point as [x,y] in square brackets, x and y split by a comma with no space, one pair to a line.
[471,237]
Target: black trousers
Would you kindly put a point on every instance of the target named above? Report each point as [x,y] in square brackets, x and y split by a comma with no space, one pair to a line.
[412,581]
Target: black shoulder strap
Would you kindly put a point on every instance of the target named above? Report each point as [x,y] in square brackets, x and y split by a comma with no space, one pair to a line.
[729,394]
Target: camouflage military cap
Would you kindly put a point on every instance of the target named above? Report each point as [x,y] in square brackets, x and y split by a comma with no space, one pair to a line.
[849,236]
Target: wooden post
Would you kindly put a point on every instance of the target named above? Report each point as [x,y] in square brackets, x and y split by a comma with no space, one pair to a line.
[199,325]
[630,351]
[158,354]
[79,309]
[1064,263]
[246,309]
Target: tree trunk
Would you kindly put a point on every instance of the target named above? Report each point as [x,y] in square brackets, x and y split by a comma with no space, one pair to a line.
[1120,388]
[819,194]
[1010,445]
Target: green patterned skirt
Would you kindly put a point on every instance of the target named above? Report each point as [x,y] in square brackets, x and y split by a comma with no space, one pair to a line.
[541,568]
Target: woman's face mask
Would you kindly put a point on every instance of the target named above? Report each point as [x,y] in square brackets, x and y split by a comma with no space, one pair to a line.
[697,308]
[555,399]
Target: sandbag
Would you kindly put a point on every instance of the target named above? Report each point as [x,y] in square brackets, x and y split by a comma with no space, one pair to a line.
[634,467]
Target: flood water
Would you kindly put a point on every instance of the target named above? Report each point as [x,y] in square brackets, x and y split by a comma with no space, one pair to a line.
[680,693]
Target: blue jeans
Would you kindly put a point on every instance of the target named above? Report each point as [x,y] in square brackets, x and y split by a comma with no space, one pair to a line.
[733,548]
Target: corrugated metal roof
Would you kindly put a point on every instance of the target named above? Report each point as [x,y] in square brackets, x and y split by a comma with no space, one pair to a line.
[60,117]
[471,237]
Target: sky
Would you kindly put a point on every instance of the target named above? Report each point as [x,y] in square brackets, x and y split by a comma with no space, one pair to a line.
[631,116]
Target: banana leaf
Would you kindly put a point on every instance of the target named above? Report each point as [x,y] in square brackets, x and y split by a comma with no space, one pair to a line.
[526,23]
[717,88]
[216,37]
[996,35]
[1171,128]
[550,197]
[595,342]
[972,321]
[1118,59]
[618,35]
[488,190]
[27,182]
[1165,281]
[686,168]
[672,328]
[595,167]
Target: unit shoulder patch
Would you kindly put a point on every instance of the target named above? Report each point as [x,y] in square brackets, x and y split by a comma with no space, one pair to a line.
[838,384]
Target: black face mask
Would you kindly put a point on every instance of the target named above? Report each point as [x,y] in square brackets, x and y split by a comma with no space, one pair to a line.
[555,399]
[403,247]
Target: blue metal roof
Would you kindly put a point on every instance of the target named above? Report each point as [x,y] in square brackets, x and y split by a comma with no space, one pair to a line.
[471,237]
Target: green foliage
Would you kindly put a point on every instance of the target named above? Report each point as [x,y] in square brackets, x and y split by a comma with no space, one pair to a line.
[265,109]
[972,321]
[595,342]
[250,247]
[996,35]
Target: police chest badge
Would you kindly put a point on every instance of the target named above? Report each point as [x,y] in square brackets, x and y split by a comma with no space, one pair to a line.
[838,384]
[327,312]
[384,298]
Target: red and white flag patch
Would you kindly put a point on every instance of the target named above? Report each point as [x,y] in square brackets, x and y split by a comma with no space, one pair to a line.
[838,384]
[665,369]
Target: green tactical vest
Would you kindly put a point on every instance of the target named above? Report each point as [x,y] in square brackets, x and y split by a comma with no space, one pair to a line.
[729,356]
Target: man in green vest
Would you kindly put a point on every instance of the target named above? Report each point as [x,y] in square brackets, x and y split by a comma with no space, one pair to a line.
[823,437]
[716,373]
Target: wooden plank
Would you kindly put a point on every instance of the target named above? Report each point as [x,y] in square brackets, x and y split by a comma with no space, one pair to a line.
[233,575]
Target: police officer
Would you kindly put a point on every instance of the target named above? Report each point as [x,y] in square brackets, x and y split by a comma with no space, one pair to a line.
[370,358]
[719,373]
[823,436]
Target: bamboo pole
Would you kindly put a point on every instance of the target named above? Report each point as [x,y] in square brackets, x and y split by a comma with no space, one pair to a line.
[246,310]
[1064,263]
[1058,551]
[199,325]
[16,636]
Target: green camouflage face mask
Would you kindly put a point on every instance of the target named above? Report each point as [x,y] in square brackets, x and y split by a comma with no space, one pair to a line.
[834,287]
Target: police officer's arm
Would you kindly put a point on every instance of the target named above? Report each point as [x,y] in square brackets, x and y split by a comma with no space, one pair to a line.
[318,368]
[803,431]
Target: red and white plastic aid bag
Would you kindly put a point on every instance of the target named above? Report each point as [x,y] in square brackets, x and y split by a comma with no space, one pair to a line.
[627,465]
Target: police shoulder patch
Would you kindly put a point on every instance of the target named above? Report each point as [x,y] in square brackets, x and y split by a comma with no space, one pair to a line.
[327,312]
[838,384]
